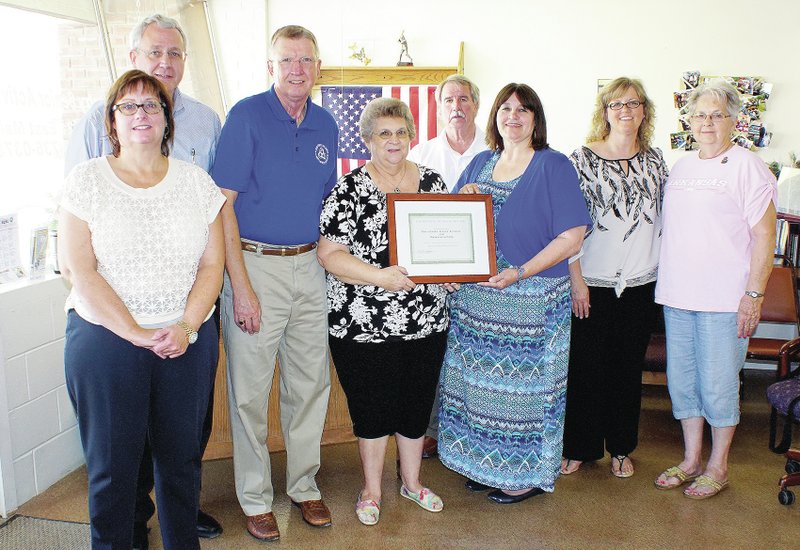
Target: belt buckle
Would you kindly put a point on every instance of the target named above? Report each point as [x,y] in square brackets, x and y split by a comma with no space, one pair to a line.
[285,251]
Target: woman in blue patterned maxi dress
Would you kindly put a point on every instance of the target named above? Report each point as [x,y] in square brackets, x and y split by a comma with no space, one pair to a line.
[503,382]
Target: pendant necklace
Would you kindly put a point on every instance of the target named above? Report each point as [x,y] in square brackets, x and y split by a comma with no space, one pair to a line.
[385,176]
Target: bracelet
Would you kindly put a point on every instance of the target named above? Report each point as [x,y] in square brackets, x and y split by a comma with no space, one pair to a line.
[520,272]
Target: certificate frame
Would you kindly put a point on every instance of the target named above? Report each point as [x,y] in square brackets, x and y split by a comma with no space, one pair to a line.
[442,238]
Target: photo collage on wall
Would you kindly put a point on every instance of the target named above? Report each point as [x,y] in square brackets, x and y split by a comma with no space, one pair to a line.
[750,132]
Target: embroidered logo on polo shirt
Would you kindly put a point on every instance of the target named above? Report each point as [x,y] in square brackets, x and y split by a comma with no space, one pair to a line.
[321,152]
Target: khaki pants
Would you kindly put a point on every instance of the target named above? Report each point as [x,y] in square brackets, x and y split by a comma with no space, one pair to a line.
[294,327]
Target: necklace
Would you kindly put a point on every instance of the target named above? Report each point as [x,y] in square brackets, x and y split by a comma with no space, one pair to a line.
[722,152]
[389,180]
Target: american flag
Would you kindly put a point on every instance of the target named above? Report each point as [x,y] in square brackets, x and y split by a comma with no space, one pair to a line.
[345,103]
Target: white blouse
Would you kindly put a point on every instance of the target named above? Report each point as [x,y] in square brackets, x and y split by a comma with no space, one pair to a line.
[623,244]
[148,242]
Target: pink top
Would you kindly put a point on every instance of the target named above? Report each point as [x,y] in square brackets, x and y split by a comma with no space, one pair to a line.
[709,207]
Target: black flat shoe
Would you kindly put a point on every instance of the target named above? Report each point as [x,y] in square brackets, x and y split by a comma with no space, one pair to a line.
[475,486]
[140,531]
[502,498]
[207,527]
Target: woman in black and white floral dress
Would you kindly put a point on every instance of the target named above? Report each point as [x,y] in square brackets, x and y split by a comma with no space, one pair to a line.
[387,335]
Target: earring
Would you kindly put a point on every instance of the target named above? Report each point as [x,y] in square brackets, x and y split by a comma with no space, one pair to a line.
[166,131]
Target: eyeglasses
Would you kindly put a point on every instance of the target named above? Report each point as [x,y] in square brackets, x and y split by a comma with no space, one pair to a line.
[631,104]
[172,55]
[702,117]
[129,108]
[400,134]
[287,62]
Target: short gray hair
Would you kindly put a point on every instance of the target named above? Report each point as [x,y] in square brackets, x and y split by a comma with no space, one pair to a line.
[163,22]
[384,107]
[295,32]
[461,80]
[721,90]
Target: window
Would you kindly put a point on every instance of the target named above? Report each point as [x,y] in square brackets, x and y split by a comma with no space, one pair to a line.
[55,68]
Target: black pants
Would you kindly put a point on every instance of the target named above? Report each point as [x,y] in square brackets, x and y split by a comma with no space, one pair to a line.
[604,385]
[124,395]
[144,504]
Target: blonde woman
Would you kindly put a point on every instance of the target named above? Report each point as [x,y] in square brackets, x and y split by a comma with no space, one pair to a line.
[622,178]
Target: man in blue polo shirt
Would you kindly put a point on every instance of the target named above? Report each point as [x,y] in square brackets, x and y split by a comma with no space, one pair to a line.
[275,162]
[158,47]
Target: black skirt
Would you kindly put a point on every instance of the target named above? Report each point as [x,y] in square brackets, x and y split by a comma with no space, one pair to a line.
[389,386]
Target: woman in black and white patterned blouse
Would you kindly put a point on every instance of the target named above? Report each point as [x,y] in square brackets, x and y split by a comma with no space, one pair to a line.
[387,335]
[613,278]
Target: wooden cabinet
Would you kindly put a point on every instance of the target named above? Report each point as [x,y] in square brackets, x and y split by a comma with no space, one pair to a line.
[338,426]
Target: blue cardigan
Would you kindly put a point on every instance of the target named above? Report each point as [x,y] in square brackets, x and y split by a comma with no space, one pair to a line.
[546,201]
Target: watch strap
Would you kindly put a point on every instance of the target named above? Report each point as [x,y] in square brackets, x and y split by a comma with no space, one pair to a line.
[188,330]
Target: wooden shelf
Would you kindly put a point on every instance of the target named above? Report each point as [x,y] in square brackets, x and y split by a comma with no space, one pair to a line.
[348,76]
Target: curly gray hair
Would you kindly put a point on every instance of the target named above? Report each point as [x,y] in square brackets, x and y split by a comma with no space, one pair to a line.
[721,90]
[384,107]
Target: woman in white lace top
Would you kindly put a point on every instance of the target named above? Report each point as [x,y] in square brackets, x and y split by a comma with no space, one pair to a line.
[613,278]
[141,244]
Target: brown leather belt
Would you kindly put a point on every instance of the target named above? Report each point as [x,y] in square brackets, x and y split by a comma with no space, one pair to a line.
[278,251]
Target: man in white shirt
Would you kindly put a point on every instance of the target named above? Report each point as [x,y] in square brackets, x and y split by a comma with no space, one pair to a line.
[449,153]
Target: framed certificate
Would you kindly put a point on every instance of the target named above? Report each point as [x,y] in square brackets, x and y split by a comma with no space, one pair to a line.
[442,238]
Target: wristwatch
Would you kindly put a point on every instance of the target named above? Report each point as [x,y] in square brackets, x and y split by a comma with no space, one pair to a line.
[753,294]
[191,334]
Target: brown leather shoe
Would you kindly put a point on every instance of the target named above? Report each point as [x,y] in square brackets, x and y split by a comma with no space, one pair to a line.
[314,512]
[263,527]
[430,448]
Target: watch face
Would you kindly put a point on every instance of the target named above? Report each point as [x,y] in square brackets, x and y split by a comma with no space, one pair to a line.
[193,338]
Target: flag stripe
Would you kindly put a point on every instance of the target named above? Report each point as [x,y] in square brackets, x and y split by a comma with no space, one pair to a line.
[413,102]
[432,129]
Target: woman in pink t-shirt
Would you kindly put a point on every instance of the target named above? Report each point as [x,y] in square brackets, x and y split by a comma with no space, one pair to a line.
[716,257]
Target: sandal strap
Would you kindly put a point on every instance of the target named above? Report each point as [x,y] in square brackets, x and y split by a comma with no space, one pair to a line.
[674,471]
[706,481]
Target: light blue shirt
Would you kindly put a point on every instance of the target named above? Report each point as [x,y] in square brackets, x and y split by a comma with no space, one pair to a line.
[197,130]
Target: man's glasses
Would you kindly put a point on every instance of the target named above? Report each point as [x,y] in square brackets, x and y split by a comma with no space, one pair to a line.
[287,62]
[172,55]
[129,108]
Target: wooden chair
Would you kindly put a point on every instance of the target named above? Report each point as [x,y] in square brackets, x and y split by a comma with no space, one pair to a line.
[654,370]
[780,306]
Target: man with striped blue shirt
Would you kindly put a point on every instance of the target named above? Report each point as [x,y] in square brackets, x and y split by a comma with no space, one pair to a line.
[158,47]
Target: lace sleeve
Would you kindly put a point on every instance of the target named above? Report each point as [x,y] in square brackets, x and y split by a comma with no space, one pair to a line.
[79,190]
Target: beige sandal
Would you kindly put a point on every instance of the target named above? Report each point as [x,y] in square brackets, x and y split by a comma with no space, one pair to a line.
[705,481]
[675,472]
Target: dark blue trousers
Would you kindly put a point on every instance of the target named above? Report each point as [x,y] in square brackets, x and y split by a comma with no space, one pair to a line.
[124,395]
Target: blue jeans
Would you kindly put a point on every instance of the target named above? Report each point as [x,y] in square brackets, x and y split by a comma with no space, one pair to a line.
[704,357]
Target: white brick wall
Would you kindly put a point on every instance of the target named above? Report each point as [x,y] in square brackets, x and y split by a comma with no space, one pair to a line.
[38,430]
